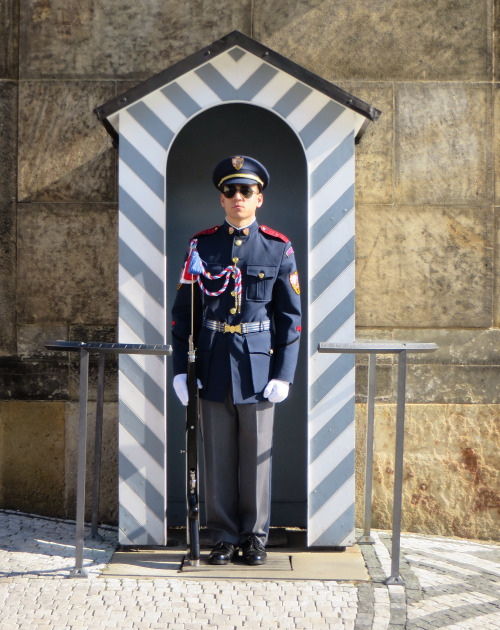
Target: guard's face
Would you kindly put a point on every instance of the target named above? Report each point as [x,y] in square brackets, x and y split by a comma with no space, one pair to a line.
[239,210]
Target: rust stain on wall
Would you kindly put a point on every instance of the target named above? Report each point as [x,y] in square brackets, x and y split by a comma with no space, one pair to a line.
[485,497]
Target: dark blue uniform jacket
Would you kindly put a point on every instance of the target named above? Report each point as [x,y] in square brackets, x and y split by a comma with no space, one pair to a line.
[270,291]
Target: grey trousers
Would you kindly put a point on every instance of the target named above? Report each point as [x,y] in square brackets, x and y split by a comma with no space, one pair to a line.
[237,447]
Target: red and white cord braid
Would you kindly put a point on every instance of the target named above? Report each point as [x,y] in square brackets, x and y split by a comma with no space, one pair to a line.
[226,272]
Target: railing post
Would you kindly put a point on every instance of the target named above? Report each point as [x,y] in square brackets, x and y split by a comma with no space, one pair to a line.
[98,448]
[79,571]
[398,471]
[367,539]
[83,349]
[401,349]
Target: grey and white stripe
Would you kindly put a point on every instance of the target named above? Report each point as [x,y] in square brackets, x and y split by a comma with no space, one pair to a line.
[327,131]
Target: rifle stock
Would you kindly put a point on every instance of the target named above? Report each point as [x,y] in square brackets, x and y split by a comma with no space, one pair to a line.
[192,431]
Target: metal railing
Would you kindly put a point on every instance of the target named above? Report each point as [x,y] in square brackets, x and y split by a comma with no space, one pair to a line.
[101,349]
[372,348]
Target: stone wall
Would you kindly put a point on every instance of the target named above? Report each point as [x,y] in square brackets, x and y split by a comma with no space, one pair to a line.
[428,203]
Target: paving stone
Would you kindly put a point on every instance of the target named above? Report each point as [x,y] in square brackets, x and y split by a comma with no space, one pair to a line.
[36,555]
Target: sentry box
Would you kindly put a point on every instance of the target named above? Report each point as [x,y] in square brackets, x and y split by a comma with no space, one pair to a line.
[237,97]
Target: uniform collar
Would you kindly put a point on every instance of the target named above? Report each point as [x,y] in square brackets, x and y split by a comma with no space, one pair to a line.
[246,231]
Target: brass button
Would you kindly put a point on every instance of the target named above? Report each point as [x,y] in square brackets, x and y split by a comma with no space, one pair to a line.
[271,351]
[261,274]
[238,242]
[232,311]
[233,293]
[235,260]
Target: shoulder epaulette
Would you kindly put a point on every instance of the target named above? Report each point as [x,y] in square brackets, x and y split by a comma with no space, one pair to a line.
[211,230]
[268,230]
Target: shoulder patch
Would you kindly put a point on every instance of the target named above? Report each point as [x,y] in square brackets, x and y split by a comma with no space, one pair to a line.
[211,230]
[268,230]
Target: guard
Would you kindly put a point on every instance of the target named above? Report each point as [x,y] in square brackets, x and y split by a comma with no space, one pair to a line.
[245,318]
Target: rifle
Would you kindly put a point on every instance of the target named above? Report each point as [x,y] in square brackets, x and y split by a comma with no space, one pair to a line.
[191,272]
[192,430]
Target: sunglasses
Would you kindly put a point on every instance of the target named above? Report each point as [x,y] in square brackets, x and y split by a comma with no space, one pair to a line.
[245,191]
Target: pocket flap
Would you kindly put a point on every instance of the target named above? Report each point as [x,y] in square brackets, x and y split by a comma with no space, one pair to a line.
[261,271]
[259,343]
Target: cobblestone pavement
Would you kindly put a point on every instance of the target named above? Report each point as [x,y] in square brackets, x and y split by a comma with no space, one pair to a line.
[449,583]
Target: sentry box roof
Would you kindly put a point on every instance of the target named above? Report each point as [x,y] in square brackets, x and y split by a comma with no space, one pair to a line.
[236,44]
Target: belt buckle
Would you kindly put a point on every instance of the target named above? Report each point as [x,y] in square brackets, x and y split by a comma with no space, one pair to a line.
[232,329]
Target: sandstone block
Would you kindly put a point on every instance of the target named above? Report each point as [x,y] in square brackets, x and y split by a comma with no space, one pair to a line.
[455,346]
[8,176]
[464,369]
[425,266]
[496,285]
[32,457]
[8,278]
[9,39]
[466,384]
[496,139]
[496,30]
[31,340]
[65,154]
[451,461]
[374,152]
[67,263]
[108,501]
[8,141]
[79,38]
[383,383]
[380,40]
[442,144]
[33,379]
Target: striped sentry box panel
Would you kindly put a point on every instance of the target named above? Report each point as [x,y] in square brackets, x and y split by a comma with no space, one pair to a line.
[146,131]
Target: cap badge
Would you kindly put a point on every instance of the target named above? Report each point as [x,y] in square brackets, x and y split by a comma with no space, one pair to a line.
[237,162]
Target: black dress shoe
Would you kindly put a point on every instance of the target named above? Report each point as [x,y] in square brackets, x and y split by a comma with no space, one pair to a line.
[222,553]
[254,551]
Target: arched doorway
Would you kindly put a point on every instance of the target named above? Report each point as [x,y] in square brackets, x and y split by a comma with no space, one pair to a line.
[193,204]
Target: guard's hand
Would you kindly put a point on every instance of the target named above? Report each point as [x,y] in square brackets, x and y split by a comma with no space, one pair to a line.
[276,391]
[181,388]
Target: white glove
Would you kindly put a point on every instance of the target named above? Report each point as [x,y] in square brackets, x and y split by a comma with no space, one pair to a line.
[276,391]
[181,388]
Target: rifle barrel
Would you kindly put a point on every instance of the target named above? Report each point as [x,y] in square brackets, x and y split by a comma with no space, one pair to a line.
[192,430]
